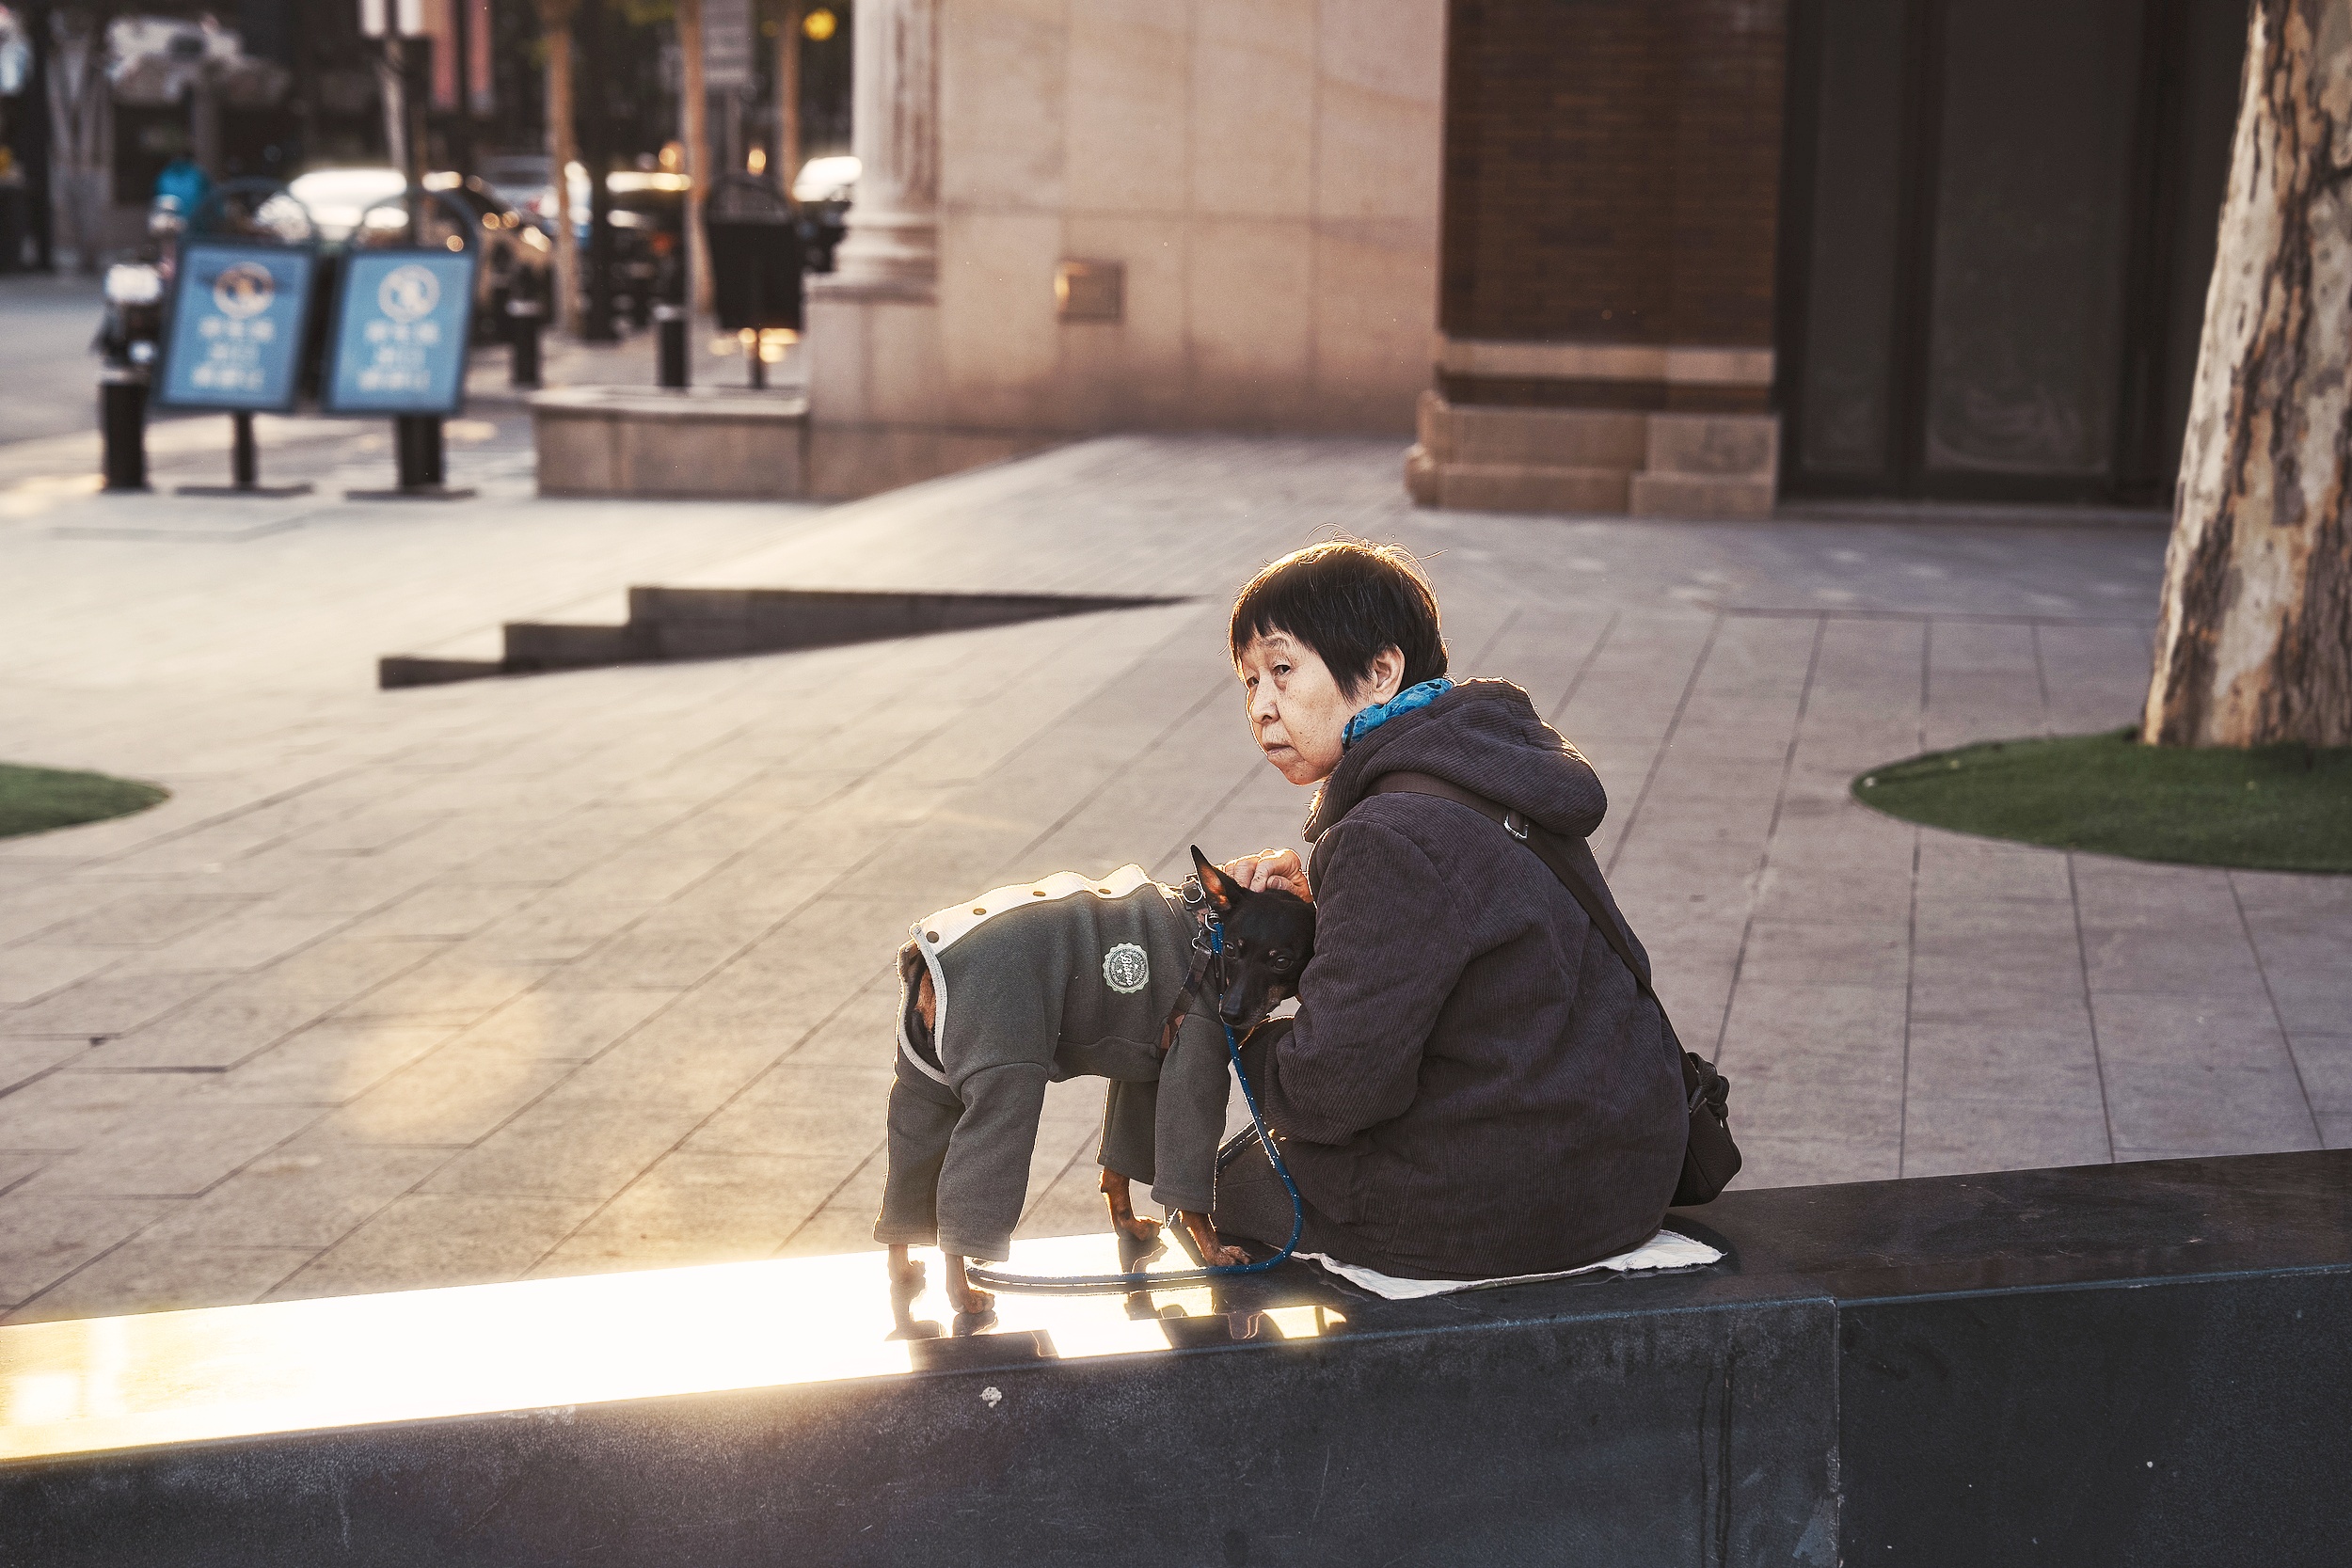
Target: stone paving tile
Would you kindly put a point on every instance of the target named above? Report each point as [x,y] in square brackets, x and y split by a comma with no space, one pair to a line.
[426,1240]
[450,1098]
[701,1207]
[571,1148]
[2191,1075]
[64,1111]
[306,1195]
[107,1004]
[44,1237]
[608,955]
[145,1275]
[331,1063]
[186,1148]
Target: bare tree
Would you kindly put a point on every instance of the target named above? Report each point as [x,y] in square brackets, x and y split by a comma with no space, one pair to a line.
[2254,642]
[80,118]
[555,31]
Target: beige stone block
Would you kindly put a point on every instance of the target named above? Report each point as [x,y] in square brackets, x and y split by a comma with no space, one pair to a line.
[1561,437]
[1377,155]
[708,444]
[1134,370]
[1376,291]
[1687,496]
[1253,74]
[1003,68]
[1524,487]
[1000,341]
[1727,445]
[1421,479]
[1126,110]
[873,359]
[1251,313]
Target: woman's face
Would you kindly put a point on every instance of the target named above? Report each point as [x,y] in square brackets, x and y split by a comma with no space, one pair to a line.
[1297,709]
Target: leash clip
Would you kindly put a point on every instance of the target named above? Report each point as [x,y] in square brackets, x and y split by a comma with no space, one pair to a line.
[1516,825]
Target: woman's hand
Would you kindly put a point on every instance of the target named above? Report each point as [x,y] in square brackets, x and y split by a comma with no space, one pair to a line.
[1281,869]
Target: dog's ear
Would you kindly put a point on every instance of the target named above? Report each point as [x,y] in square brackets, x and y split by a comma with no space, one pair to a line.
[1222,890]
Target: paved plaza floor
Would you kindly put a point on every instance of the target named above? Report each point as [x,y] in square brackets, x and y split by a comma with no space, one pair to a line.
[593,971]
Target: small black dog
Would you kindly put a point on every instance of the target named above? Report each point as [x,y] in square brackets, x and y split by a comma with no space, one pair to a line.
[1264,940]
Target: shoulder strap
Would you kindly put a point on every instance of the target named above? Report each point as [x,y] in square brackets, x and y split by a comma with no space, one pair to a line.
[1566,858]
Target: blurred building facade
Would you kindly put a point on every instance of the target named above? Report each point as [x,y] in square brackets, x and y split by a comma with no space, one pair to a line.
[1659,256]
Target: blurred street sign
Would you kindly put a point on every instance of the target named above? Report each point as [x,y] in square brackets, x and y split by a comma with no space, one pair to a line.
[403,320]
[727,45]
[235,335]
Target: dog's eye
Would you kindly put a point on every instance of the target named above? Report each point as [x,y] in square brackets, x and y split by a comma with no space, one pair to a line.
[1278,958]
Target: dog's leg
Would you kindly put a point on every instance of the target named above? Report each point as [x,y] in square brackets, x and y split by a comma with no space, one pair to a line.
[926,1000]
[971,1303]
[906,1287]
[1138,1238]
[1200,1237]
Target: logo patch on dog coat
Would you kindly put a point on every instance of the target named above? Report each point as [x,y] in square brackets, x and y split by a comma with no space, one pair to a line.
[1126,969]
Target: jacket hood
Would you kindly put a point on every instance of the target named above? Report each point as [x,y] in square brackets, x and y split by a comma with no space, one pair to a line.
[1485,737]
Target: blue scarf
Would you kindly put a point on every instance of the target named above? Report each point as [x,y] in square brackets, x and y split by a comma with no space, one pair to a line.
[1404,702]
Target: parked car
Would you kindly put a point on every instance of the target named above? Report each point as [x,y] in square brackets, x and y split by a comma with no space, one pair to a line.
[361,207]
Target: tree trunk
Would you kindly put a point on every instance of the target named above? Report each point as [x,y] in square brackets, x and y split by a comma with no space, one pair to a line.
[696,133]
[2254,641]
[788,93]
[555,31]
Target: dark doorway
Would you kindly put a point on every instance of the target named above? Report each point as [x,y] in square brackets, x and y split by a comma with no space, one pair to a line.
[1997,232]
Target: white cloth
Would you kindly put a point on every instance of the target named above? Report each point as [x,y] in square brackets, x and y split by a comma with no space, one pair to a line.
[1667,1249]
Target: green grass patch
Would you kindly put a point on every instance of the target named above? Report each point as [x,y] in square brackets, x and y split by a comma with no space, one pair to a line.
[35,799]
[2271,808]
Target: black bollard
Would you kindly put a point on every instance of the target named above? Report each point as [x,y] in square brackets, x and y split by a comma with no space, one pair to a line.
[523,320]
[122,416]
[245,464]
[759,360]
[417,443]
[670,322]
[418,462]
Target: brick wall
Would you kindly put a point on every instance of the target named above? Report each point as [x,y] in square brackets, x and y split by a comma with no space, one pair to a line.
[1613,170]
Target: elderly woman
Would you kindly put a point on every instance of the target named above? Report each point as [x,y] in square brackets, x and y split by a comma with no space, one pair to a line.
[1473,1085]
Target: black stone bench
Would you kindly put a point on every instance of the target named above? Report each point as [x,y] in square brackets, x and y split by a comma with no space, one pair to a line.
[2125,1365]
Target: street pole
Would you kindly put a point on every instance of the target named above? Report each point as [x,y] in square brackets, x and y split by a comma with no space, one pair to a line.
[696,117]
[461,65]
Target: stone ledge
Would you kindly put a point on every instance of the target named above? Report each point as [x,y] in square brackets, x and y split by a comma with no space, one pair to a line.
[2112,1364]
[703,443]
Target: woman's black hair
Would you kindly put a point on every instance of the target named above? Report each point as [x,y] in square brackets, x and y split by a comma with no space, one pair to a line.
[1347,601]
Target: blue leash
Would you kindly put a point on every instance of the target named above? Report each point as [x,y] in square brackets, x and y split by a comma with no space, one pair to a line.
[1096,1284]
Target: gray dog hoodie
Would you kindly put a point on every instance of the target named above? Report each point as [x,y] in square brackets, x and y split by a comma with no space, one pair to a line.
[1036,983]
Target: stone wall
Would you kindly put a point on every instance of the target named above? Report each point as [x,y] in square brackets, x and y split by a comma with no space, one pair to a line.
[1265,173]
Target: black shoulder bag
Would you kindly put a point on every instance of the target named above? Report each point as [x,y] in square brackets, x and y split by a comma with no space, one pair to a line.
[1711,1159]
